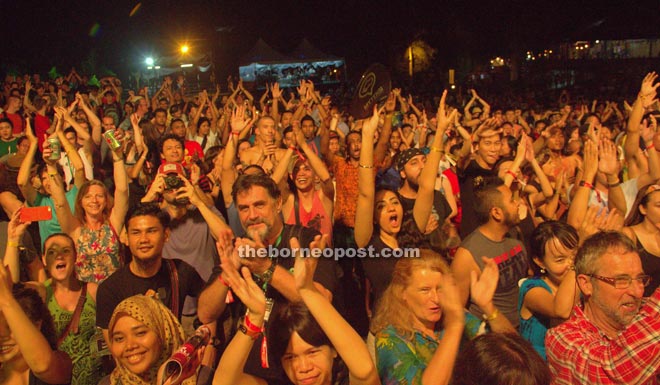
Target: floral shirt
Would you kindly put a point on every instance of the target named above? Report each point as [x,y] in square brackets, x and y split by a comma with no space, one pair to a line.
[402,361]
[98,253]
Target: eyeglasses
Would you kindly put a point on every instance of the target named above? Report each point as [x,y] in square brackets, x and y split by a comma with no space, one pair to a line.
[622,282]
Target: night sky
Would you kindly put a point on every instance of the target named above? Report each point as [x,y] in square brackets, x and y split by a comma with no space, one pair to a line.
[39,34]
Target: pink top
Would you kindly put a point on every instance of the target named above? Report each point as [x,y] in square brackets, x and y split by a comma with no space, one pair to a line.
[316,218]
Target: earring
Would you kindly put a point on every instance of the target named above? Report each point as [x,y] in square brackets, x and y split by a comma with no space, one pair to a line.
[542,270]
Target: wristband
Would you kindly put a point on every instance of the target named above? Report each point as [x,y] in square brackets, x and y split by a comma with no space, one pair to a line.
[613,185]
[248,333]
[513,174]
[235,133]
[252,327]
[118,160]
[489,318]
[222,280]
[364,166]
[292,148]
[12,244]
[435,149]
[650,146]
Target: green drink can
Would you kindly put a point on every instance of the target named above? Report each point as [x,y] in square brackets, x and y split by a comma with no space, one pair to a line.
[55,146]
[112,141]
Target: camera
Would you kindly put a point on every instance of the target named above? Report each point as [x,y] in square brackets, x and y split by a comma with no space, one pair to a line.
[173,182]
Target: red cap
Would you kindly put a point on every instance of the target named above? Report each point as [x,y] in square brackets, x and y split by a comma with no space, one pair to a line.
[171,168]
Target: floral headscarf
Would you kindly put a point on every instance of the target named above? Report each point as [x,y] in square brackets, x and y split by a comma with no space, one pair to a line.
[157,317]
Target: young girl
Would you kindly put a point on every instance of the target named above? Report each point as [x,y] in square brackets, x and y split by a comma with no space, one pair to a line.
[548,298]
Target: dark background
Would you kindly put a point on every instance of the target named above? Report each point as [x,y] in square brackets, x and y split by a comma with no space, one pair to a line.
[37,35]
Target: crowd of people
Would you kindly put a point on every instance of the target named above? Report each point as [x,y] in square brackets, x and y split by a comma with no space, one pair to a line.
[460,243]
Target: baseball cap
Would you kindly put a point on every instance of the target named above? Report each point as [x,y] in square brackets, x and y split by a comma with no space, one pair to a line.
[171,168]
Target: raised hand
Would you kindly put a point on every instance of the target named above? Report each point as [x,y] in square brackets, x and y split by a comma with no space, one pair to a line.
[607,162]
[590,160]
[483,288]
[442,116]
[247,290]
[305,266]
[238,119]
[648,90]
[371,124]
[276,91]
[16,228]
[451,304]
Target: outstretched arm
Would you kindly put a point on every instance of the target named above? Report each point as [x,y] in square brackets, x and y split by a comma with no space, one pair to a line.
[366,183]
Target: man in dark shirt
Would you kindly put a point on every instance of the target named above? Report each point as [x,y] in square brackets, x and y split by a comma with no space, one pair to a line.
[259,205]
[487,143]
[410,163]
[171,280]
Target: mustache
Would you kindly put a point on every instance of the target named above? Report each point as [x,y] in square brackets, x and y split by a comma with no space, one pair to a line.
[251,222]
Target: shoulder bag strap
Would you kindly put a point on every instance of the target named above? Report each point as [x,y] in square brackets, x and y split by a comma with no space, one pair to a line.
[174,282]
[72,327]
[296,208]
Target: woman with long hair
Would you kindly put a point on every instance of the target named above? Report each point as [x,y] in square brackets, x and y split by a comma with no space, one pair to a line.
[307,337]
[380,218]
[548,298]
[97,218]
[420,320]
[72,303]
[642,226]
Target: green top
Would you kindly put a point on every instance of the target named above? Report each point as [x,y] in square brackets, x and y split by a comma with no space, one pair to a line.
[86,366]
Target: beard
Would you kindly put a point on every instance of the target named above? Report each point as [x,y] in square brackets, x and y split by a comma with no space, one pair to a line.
[259,234]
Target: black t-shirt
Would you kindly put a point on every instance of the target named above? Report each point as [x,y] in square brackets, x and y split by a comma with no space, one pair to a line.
[411,236]
[123,284]
[326,274]
[466,178]
[378,269]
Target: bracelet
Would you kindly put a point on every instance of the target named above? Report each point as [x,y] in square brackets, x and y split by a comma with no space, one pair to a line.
[513,174]
[491,317]
[235,133]
[222,280]
[435,149]
[615,184]
[364,166]
[250,326]
[650,146]
[586,184]
[292,148]
[12,244]
[118,160]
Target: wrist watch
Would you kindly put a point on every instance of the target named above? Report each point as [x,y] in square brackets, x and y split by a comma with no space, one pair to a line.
[267,275]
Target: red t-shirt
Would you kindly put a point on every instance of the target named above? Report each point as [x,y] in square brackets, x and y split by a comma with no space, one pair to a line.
[17,121]
[41,125]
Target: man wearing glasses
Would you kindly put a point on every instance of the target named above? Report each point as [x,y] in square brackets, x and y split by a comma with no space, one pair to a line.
[613,336]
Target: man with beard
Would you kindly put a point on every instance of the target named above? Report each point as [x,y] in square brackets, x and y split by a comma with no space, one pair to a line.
[410,163]
[497,209]
[612,336]
[259,204]
[194,226]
